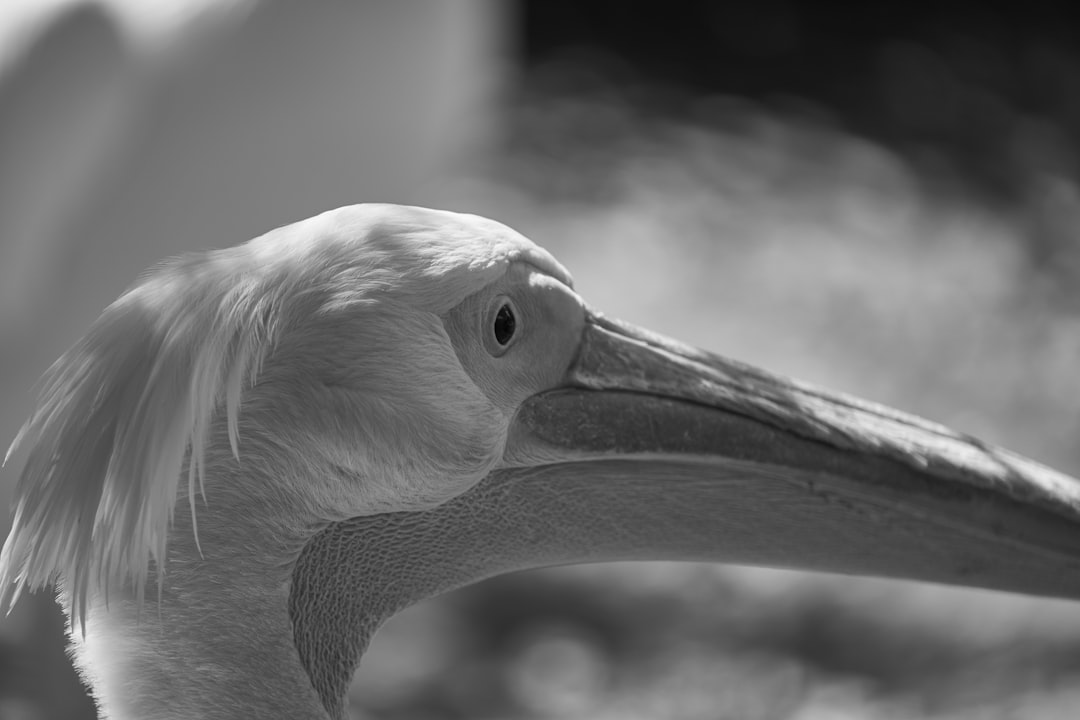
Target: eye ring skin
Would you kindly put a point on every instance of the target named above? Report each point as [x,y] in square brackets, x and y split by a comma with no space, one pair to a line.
[550,319]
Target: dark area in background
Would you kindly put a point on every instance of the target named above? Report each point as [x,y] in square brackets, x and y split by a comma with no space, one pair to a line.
[990,90]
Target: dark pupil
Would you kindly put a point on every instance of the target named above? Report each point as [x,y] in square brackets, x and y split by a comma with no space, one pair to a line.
[504,325]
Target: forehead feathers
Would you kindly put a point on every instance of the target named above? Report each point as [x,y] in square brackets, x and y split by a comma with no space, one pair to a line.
[430,259]
[121,411]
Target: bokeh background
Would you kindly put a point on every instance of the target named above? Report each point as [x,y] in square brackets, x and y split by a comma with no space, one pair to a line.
[881,198]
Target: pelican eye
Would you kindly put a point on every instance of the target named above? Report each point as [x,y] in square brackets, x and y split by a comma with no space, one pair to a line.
[502,326]
[505,325]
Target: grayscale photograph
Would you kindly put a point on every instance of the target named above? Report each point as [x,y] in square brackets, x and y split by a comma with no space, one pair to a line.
[539,360]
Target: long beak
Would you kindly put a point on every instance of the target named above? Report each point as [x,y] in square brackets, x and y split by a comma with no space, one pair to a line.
[652,449]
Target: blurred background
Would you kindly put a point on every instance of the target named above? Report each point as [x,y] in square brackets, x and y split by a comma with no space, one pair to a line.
[880,198]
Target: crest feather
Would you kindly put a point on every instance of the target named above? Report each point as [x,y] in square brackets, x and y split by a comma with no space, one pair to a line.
[118,414]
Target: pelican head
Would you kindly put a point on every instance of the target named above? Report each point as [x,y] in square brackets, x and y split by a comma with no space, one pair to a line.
[256,455]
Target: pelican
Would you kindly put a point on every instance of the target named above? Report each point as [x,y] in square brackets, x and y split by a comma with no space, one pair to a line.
[256,455]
